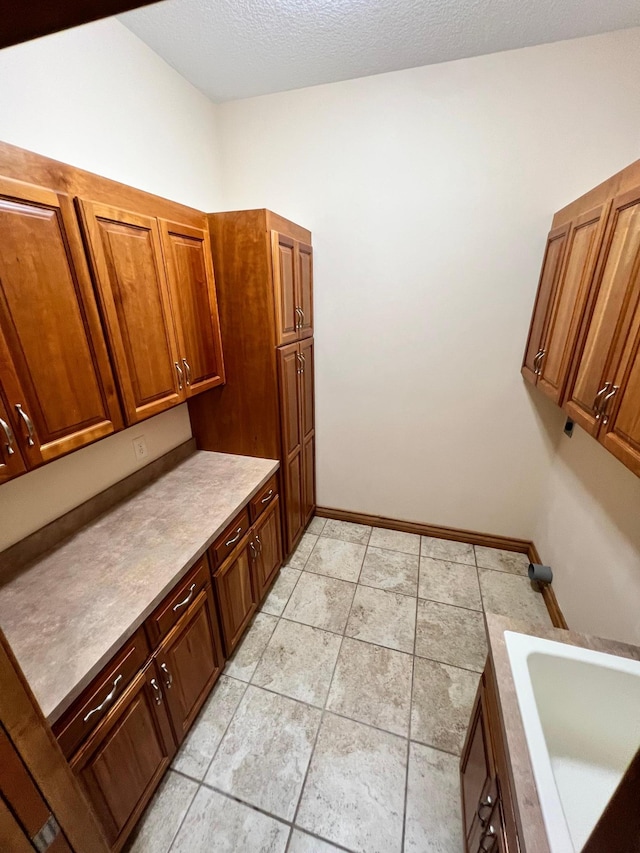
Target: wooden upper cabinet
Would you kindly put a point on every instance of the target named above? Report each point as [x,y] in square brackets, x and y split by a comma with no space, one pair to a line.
[293,288]
[607,325]
[58,382]
[187,254]
[569,300]
[305,289]
[126,255]
[11,461]
[549,276]
[283,252]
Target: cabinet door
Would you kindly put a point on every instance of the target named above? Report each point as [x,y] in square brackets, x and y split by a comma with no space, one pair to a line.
[267,548]
[64,396]
[11,461]
[567,309]
[289,373]
[549,275]
[283,257]
[123,761]
[236,595]
[190,271]
[129,272]
[308,431]
[190,660]
[304,287]
[607,325]
[477,771]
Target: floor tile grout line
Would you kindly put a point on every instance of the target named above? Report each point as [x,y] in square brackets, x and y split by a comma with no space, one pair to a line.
[226,729]
[184,817]
[452,665]
[234,798]
[335,844]
[406,772]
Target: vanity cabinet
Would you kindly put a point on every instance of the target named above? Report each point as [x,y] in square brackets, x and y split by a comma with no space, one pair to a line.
[57,385]
[487,807]
[264,277]
[122,762]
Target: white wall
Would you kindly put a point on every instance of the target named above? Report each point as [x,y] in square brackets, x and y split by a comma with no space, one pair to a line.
[99,98]
[429,193]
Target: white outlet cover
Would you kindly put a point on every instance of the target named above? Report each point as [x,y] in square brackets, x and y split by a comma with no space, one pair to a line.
[140,447]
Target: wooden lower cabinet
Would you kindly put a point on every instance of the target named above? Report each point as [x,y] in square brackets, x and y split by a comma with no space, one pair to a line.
[267,548]
[237,598]
[487,807]
[124,759]
[190,660]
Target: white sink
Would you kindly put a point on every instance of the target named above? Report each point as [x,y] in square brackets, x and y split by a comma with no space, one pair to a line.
[581,715]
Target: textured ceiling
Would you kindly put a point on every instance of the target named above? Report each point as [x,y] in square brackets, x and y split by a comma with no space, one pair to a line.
[238,48]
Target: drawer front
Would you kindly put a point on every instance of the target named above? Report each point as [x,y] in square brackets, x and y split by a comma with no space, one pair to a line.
[265,497]
[227,541]
[177,602]
[96,701]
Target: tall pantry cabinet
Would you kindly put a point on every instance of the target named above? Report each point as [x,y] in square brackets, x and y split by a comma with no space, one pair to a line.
[264,281]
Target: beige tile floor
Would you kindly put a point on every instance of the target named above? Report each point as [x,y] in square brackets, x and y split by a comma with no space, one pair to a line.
[339,721]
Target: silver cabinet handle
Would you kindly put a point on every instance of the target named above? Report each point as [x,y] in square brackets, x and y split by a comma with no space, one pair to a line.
[105,701]
[487,803]
[169,679]
[535,361]
[9,436]
[300,363]
[158,696]
[254,553]
[267,497]
[180,375]
[259,543]
[186,600]
[489,835]
[605,404]
[602,391]
[235,538]
[299,315]
[187,368]
[25,417]
[540,360]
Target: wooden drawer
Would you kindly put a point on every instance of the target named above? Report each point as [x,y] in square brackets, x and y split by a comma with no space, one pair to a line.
[93,705]
[265,497]
[227,541]
[177,602]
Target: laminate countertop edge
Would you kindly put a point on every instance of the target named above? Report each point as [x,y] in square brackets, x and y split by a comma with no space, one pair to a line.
[40,595]
[531,829]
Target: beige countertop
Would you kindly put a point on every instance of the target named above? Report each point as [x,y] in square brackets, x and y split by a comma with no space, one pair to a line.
[531,831]
[69,611]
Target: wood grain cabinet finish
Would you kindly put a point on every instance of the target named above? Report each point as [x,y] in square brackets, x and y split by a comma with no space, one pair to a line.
[487,808]
[264,277]
[123,761]
[187,253]
[126,256]
[266,548]
[236,594]
[57,381]
[190,660]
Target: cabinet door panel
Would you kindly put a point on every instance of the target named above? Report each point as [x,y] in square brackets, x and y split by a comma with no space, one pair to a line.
[305,289]
[283,254]
[290,387]
[551,265]
[609,321]
[236,596]
[583,243]
[268,537]
[309,477]
[127,259]
[188,257]
[50,324]
[307,420]
[124,760]
[190,661]
[476,764]
[11,461]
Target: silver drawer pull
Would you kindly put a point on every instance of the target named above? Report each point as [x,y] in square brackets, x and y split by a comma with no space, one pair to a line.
[487,803]
[8,435]
[186,600]
[169,680]
[490,836]
[105,701]
[25,417]
[158,696]
[267,497]
[235,538]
